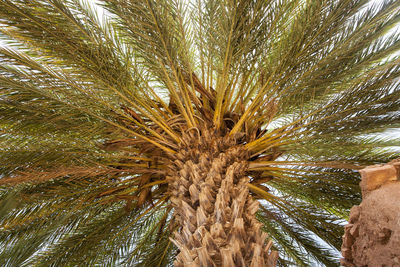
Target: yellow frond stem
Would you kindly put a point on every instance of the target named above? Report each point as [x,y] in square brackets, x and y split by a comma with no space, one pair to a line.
[155,183]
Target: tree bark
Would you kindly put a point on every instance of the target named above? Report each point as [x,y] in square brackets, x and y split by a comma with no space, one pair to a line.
[213,208]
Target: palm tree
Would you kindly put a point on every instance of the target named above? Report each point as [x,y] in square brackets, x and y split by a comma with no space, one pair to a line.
[196,133]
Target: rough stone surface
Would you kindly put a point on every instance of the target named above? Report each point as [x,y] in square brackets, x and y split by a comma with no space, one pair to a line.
[373,177]
[373,236]
[396,165]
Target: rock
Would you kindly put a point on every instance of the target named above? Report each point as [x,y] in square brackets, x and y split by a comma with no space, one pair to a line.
[396,165]
[354,214]
[346,252]
[348,241]
[348,226]
[354,231]
[373,237]
[384,235]
[346,263]
[374,177]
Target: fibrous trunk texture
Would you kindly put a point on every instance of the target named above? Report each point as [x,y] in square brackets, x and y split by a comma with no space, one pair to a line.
[213,208]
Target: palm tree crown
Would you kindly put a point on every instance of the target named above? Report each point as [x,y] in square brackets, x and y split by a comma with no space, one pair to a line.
[113,128]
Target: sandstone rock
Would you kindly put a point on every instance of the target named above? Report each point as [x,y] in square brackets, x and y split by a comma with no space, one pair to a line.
[373,237]
[354,214]
[374,177]
[396,165]
[348,241]
[346,252]
[354,231]
[346,263]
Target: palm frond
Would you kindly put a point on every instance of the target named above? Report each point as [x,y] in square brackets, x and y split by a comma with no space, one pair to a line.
[94,110]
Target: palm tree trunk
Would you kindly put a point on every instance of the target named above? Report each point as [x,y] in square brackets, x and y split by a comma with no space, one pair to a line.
[213,208]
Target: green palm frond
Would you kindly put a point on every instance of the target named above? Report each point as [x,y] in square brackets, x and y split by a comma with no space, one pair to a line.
[92,108]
